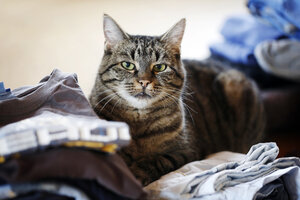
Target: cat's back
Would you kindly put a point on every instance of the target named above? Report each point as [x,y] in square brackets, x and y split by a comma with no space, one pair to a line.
[223,107]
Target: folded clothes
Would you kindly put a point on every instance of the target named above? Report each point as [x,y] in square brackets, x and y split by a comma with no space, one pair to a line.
[170,186]
[282,14]
[52,129]
[274,190]
[52,113]
[241,35]
[59,93]
[4,92]
[60,164]
[280,57]
[246,30]
[259,163]
[41,128]
[41,195]
[16,190]
[77,189]
[234,52]
[234,180]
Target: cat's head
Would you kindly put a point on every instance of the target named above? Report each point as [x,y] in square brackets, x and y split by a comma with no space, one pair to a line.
[142,69]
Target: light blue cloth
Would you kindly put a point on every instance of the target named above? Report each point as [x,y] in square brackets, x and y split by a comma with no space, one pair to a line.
[2,88]
[242,180]
[234,52]
[5,93]
[282,14]
[241,35]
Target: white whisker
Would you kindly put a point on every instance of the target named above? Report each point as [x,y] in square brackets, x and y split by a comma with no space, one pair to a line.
[108,96]
[107,102]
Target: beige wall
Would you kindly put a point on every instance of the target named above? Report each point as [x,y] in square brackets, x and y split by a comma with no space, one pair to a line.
[39,35]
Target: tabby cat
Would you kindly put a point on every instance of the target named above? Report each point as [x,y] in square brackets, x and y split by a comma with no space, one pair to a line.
[177,111]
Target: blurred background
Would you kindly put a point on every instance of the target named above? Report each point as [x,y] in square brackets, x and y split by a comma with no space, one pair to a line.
[38,36]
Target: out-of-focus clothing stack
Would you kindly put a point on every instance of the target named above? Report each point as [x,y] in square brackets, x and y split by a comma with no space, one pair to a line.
[264,44]
[53,145]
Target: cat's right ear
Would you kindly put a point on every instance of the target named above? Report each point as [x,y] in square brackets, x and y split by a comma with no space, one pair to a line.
[173,36]
[112,32]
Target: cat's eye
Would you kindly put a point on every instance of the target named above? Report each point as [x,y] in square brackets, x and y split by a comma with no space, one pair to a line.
[128,65]
[159,67]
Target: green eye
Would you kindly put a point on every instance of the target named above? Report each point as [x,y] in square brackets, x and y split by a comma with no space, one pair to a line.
[128,65]
[160,67]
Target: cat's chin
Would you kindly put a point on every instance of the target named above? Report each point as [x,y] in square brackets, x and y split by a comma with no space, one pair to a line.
[140,100]
[142,95]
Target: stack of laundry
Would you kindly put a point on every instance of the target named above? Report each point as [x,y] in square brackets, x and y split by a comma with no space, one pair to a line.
[265,44]
[53,145]
[227,175]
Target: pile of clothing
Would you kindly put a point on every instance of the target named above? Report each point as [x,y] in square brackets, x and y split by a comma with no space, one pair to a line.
[53,145]
[266,44]
[227,175]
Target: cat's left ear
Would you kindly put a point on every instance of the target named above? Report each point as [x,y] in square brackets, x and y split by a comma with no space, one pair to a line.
[173,36]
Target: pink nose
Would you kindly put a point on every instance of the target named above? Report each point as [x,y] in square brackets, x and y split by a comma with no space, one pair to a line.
[144,83]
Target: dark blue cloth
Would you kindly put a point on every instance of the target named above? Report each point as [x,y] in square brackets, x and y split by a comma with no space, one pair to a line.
[241,35]
[282,14]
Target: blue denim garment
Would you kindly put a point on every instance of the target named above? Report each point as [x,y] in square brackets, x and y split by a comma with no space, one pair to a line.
[5,93]
[282,14]
[234,52]
[241,35]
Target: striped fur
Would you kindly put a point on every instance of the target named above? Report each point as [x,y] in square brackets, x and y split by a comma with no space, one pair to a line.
[188,112]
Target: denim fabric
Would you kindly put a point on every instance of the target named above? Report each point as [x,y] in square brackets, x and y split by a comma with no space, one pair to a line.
[282,14]
[241,35]
[234,52]
[5,93]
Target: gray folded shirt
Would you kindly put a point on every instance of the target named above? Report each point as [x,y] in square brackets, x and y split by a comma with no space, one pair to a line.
[280,58]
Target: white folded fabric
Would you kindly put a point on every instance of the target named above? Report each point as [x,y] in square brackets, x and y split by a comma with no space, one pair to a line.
[54,129]
[240,179]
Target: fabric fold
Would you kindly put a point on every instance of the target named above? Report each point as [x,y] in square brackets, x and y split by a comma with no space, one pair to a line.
[238,179]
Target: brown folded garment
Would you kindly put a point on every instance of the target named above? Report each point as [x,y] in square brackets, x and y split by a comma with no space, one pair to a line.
[58,93]
[108,170]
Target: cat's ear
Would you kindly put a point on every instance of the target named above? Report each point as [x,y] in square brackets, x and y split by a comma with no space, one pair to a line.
[173,36]
[112,32]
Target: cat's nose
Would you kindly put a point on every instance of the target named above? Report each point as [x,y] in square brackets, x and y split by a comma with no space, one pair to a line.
[144,83]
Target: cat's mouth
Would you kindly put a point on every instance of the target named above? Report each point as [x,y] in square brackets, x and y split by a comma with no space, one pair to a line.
[142,95]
